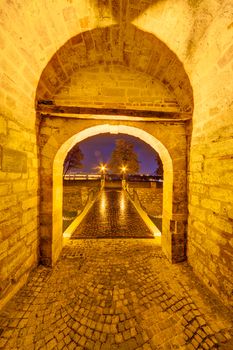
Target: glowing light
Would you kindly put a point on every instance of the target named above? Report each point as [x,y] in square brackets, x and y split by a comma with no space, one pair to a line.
[103,204]
[122,202]
[102,168]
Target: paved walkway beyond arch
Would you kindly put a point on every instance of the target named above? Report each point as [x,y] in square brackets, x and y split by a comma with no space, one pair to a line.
[112,216]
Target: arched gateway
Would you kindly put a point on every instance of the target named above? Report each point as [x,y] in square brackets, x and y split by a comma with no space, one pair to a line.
[93,85]
[69,132]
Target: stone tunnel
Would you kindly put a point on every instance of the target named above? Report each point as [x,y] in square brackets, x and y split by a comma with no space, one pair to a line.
[157,70]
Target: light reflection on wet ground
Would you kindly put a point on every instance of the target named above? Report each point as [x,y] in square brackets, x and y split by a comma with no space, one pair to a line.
[112,216]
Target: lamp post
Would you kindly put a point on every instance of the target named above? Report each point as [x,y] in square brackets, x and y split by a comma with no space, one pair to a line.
[102,168]
[123,170]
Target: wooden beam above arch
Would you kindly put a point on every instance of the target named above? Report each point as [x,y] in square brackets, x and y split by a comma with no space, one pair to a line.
[45,108]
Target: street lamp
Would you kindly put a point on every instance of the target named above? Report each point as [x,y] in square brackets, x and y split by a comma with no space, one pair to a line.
[123,169]
[103,170]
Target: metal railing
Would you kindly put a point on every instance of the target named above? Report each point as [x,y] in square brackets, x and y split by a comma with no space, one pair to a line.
[82,177]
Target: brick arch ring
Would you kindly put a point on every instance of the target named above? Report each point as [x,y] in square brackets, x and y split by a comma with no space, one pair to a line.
[57,236]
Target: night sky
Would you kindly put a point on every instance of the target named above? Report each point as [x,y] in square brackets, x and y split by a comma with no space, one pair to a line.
[97,149]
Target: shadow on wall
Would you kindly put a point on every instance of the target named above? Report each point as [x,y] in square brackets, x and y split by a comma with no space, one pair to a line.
[104,9]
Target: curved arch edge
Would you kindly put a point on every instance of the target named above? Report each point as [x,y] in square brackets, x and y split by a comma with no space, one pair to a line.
[57,190]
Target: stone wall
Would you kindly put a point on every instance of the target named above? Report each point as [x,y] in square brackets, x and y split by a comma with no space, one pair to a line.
[151,199]
[18,205]
[75,196]
[199,33]
[116,86]
[99,75]
[210,243]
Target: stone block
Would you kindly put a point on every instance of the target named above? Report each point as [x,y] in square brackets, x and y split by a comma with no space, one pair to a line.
[195,200]
[213,248]
[32,185]
[19,186]
[197,166]
[33,237]
[30,202]
[220,223]
[199,213]
[29,215]
[5,189]
[9,201]
[200,226]
[8,227]
[13,160]
[27,228]
[211,204]
[217,237]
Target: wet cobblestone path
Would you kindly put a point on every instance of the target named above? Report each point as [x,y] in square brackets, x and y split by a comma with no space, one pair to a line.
[112,215]
[114,294]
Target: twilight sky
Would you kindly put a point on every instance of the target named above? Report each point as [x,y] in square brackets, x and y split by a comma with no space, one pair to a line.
[97,149]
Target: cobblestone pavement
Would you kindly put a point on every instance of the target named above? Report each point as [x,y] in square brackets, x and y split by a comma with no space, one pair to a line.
[111,216]
[108,294]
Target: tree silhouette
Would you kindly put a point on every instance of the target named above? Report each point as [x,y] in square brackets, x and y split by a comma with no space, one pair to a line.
[124,155]
[159,170]
[73,159]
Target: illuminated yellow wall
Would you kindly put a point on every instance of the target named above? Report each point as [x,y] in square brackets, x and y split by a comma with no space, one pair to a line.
[200,36]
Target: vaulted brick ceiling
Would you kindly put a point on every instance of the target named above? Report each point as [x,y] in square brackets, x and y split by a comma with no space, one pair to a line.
[117,45]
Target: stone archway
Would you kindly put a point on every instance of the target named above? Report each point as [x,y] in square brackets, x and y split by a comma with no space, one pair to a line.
[126,77]
[51,236]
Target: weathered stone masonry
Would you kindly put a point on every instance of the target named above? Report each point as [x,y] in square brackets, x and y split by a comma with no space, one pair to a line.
[183,46]
[18,205]
[150,198]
